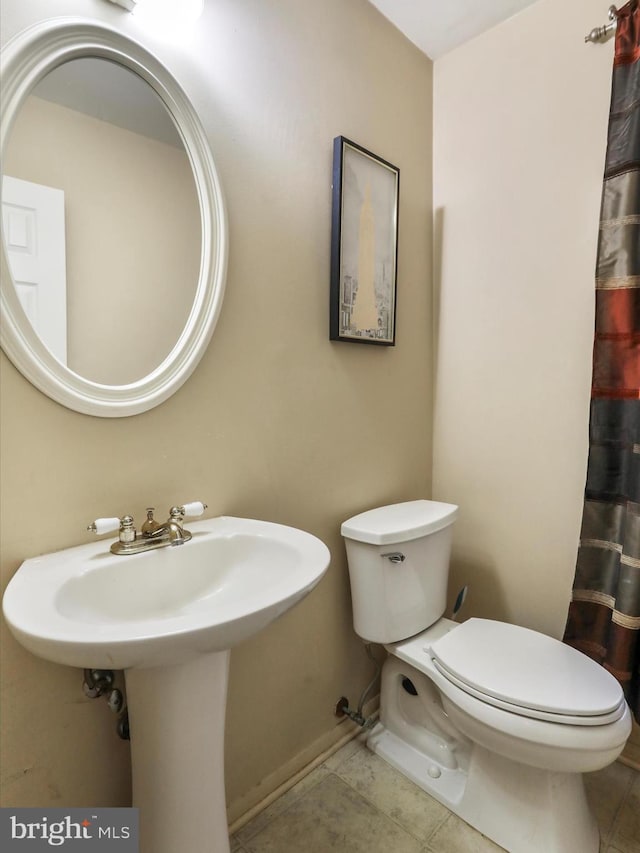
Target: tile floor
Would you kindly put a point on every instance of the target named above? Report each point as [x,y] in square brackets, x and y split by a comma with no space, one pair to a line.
[356,803]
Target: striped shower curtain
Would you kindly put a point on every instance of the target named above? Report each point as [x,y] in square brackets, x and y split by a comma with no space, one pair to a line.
[604,614]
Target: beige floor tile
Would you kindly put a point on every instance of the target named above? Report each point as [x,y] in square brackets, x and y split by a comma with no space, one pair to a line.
[625,835]
[606,790]
[356,803]
[344,754]
[236,847]
[455,836]
[332,817]
[281,804]
[393,793]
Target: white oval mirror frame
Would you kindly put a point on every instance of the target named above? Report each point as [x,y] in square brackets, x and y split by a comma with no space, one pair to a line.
[25,60]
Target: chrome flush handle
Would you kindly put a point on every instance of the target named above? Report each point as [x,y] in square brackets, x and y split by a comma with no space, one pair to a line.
[394,556]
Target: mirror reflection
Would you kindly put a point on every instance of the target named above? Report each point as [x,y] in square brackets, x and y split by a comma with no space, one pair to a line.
[101,220]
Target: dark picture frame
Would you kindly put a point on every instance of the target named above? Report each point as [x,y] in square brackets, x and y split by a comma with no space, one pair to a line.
[364,246]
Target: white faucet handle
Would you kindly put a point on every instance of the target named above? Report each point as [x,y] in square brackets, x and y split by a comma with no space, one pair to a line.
[104,525]
[193,509]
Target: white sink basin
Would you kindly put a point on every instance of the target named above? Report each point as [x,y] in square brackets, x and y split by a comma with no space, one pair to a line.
[86,607]
[168,618]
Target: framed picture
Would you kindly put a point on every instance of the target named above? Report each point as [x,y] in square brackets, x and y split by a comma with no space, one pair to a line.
[364,246]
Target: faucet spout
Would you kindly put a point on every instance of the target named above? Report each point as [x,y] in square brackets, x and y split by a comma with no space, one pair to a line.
[173,532]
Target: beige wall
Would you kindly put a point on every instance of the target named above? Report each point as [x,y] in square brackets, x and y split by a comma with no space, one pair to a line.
[132,235]
[276,422]
[520,120]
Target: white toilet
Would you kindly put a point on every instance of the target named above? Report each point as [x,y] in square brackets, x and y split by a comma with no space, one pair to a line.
[495,721]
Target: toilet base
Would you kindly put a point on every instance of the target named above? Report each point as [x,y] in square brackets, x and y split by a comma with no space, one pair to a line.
[521,808]
[444,784]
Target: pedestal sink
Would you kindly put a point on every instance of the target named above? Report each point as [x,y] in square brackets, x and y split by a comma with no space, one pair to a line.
[168,618]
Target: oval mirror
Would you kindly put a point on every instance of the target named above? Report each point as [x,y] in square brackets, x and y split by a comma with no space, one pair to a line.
[113,221]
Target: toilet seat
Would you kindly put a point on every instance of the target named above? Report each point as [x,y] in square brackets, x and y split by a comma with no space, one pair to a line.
[534,713]
[527,673]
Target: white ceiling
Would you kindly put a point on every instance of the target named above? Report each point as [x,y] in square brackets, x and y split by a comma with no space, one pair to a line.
[437,26]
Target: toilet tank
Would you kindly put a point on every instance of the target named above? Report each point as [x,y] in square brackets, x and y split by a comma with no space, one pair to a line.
[398,559]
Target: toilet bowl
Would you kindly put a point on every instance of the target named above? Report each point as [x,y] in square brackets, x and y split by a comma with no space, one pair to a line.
[496,721]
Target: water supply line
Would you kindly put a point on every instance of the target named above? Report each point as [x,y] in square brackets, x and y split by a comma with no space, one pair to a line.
[342,707]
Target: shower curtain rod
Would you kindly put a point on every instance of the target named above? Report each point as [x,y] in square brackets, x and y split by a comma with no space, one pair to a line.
[601,33]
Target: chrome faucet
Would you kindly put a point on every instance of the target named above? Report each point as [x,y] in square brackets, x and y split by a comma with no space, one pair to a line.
[172,530]
[152,534]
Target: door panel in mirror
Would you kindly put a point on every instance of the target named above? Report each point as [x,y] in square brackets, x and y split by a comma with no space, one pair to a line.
[33,225]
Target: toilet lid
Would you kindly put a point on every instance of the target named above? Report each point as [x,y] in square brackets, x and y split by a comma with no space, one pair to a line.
[526,669]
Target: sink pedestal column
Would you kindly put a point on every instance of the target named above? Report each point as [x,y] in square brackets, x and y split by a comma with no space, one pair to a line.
[176,719]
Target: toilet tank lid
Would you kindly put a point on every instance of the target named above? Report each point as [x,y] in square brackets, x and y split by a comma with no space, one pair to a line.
[399,522]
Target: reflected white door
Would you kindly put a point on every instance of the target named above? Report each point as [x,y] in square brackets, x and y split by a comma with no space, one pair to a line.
[34,234]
